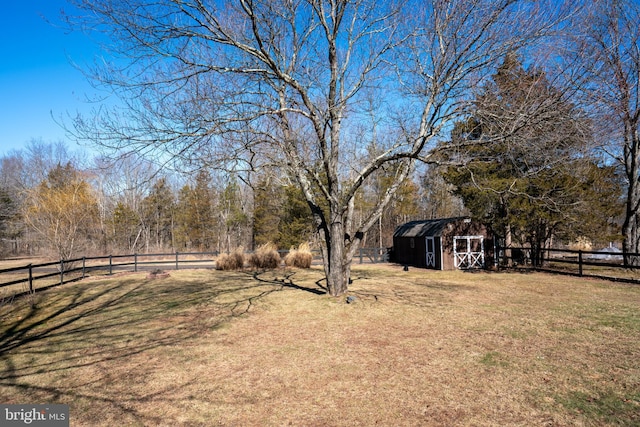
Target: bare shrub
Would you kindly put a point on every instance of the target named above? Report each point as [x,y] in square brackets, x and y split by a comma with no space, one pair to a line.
[300,257]
[265,257]
[232,261]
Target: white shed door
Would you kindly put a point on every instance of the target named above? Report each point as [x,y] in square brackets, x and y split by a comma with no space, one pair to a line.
[468,252]
[431,251]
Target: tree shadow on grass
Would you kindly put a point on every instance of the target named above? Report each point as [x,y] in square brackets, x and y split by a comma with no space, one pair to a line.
[287,282]
[82,340]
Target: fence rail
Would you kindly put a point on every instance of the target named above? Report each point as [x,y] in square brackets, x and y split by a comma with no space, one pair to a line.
[374,255]
[16,281]
[22,280]
[606,265]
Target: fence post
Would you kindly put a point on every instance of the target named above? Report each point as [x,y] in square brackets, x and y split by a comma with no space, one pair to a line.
[84,263]
[176,260]
[135,262]
[62,272]
[580,263]
[31,278]
[110,265]
[360,255]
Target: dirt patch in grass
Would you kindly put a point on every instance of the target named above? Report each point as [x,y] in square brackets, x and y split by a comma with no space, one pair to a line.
[209,347]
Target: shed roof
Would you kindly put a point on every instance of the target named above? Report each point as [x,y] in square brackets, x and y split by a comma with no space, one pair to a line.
[428,227]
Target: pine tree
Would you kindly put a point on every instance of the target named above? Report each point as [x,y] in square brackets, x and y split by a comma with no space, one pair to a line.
[126,229]
[525,164]
[158,212]
[233,218]
[267,213]
[296,223]
[195,215]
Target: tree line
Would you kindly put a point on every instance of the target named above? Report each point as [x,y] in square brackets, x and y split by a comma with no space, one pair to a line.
[56,203]
[63,204]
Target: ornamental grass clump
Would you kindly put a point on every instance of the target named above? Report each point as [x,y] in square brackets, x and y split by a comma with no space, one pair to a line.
[299,257]
[231,261]
[265,257]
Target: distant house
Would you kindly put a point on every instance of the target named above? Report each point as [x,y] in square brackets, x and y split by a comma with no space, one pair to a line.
[444,244]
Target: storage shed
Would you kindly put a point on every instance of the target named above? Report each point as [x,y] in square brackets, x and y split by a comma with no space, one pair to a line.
[444,244]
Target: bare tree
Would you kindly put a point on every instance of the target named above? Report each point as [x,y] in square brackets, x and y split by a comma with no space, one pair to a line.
[123,184]
[437,195]
[63,211]
[233,84]
[21,171]
[607,54]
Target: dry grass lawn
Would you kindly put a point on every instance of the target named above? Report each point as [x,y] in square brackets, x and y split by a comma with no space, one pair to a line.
[207,347]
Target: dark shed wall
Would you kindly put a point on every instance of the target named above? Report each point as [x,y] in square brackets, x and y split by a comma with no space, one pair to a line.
[472,228]
[406,253]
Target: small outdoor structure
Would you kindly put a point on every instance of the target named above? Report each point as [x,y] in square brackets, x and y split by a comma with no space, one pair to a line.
[444,244]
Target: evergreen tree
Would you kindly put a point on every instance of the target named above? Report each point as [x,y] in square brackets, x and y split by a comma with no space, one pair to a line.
[296,222]
[158,213]
[195,215]
[233,218]
[9,221]
[525,167]
[267,212]
[126,229]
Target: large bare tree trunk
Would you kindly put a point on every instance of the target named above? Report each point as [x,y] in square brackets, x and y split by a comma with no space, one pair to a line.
[631,224]
[335,268]
[631,227]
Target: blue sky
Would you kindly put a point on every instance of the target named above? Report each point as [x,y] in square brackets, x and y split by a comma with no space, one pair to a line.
[37,80]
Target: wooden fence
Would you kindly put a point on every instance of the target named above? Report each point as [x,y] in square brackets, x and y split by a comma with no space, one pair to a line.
[30,278]
[608,265]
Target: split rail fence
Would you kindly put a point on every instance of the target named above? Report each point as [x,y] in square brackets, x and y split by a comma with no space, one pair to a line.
[608,265]
[27,279]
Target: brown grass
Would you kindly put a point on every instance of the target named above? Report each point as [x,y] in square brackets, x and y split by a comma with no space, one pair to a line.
[206,347]
[232,261]
[265,257]
[300,257]
[20,262]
